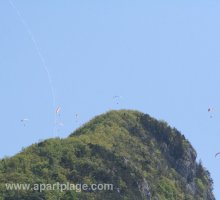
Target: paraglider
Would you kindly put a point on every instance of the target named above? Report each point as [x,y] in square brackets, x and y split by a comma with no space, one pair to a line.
[24,121]
[116,98]
[210,111]
[76,117]
[58,121]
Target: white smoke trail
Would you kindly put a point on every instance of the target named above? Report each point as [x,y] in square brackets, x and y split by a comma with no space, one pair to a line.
[31,35]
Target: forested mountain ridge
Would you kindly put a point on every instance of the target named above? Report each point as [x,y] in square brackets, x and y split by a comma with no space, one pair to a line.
[143,158]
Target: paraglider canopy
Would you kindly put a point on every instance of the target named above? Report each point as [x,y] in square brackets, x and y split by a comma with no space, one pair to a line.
[117,97]
[217,154]
[58,110]
[210,109]
[60,123]
[24,120]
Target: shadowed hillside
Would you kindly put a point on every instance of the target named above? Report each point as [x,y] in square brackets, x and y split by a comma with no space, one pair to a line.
[143,158]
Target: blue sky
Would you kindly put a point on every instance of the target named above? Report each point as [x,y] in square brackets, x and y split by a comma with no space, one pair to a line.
[163,58]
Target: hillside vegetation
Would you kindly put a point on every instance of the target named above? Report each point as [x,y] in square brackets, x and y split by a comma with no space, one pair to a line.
[144,159]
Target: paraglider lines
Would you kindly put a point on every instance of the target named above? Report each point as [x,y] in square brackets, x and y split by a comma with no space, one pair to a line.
[42,59]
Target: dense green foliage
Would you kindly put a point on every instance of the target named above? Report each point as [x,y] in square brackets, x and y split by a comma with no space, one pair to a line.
[142,157]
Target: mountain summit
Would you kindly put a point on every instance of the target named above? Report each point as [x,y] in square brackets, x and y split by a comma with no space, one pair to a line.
[140,157]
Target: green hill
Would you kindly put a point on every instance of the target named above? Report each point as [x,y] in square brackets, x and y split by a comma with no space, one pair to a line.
[144,159]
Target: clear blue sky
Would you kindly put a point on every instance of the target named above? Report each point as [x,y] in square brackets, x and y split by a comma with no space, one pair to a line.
[162,57]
